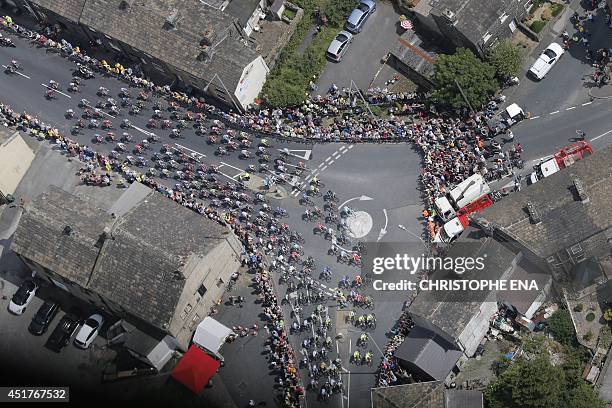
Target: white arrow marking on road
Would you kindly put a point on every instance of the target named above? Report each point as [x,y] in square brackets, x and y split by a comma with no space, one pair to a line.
[383,230]
[362,198]
[305,156]
[18,73]
[59,92]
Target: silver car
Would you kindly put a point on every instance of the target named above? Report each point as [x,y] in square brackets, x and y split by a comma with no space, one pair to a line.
[359,16]
[339,45]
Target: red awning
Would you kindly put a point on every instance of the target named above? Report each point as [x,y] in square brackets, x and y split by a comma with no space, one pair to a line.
[195,369]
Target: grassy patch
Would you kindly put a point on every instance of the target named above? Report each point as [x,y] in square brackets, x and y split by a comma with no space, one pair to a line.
[537,26]
[287,83]
[290,14]
[556,9]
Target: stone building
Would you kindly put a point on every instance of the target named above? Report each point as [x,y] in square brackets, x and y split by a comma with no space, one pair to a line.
[147,260]
[472,24]
[201,44]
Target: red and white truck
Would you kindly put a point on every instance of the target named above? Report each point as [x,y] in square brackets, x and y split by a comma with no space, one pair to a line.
[560,160]
[469,196]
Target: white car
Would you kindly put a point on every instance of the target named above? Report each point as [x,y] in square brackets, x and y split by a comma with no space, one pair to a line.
[88,331]
[339,45]
[22,298]
[546,60]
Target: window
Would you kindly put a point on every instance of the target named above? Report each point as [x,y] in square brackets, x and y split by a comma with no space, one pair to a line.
[512,25]
[202,290]
[486,37]
[503,17]
[194,321]
[186,311]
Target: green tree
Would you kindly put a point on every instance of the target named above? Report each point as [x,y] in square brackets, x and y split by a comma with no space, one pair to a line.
[608,315]
[561,326]
[583,396]
[475,77]
[528,384]
[337,11]
[506,58]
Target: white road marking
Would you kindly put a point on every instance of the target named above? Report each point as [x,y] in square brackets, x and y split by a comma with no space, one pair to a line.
[343,149]
[233,167]
[555,112]
[320,165]
[59,92]
[535,117]
[336,154]
[331,162]
[18,73]
[328,159]
[586,103]
[602,135]
[191,150]
[351,146]
[324,167]
[573,107]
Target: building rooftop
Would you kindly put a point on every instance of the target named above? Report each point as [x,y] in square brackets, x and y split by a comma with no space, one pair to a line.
[416,53]
[431,394]
[418,395]
[451,311]
[430,349]
[137,264]
[70,9]
[242,9]
[565,219]
[185,34]
[474,18]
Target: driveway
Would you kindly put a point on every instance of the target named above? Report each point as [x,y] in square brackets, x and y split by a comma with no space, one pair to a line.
[364,55]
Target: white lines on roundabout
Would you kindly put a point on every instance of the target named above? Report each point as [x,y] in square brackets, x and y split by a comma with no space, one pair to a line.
[55,90]
[331,159]
[18,73]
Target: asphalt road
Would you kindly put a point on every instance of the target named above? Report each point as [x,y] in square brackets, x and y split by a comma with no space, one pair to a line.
[363,58]
[567,84]
[385,174]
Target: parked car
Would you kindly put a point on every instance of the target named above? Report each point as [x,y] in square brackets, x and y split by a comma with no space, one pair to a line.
[62,333]
[546,60]
[339,45]
[43,317]
[88,331]
[359,16]
[22,298]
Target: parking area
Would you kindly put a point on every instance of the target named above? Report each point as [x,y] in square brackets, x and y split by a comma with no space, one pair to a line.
[25,356]
[363,57]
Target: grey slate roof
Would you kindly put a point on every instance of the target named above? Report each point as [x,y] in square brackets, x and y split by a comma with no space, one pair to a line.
[419,56]
[418,395]
[143,26]
[463,399]
[475,17]
[40,235]
[429,349]
[136,267]
[242,9]
[523,299]
[70,9]
[565,220]
[451,311]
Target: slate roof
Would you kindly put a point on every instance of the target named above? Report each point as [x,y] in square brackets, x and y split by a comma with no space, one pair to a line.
[565,219]
[475,17]
[40,237]
[70,9]
[431,394]
[145,26]
[137,266]
[430,349]
[463,399]
[415,53]
[242,9]
[449,310]
[418,395]
[523,299]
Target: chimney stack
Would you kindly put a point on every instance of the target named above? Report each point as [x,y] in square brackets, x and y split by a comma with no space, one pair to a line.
[534,214]
[580,190]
